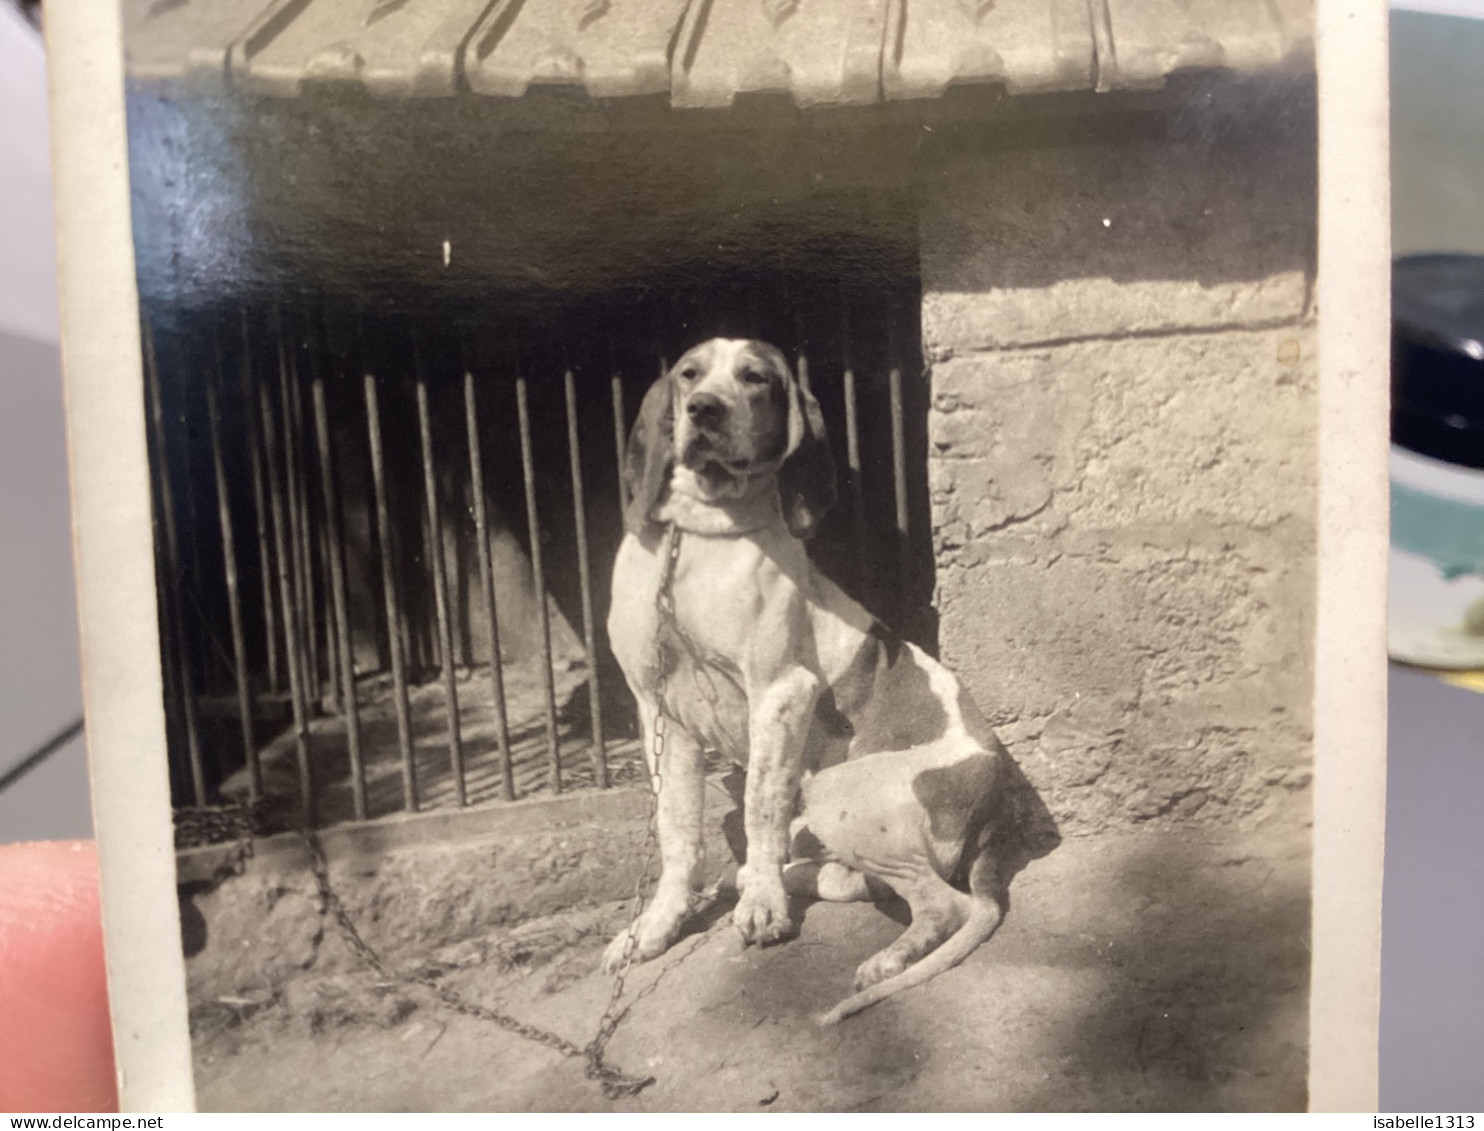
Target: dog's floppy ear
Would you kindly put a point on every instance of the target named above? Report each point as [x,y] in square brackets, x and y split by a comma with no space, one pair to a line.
[806,481]
[650,456]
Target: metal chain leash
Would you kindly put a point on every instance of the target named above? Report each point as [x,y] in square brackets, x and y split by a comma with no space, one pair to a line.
[239,824]
[616,1083]
[203,826]
[200,826]
[664,603]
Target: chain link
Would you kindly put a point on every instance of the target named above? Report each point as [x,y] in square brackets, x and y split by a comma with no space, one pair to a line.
[215,826]
[616,1084]
[204,826]
[664,603]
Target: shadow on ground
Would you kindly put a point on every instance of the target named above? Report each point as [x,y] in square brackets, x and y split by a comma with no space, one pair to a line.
[1156,969]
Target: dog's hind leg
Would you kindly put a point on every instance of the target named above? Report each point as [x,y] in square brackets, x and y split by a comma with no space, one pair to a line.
[985,910]
[938,911]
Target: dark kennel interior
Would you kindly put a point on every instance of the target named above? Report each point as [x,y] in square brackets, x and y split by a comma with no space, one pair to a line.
[569,267]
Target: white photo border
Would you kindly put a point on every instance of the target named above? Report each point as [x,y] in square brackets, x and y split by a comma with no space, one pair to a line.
[113,549]
[1354,301]
[116,576]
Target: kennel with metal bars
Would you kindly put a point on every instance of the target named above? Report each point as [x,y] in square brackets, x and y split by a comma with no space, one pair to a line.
[407,268]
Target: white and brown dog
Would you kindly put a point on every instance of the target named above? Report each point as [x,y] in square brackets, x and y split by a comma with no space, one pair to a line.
[771,665]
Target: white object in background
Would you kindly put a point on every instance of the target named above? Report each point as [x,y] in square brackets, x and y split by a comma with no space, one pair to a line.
[28,277]
[1463,9]
[40,688]
[1436,590]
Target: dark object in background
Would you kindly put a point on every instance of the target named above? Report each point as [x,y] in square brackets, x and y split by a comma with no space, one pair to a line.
[31,9]
[1437,360]
[1436,589]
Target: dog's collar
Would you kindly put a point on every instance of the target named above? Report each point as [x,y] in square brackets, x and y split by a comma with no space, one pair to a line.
[692,516]
[720,518]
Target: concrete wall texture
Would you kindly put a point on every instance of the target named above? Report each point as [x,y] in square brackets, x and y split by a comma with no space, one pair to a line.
[1122,449]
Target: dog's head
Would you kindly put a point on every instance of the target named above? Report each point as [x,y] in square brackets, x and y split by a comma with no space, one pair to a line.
[730,411]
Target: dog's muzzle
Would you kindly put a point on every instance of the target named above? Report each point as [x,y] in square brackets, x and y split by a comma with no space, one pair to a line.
[708,442]
[706,411]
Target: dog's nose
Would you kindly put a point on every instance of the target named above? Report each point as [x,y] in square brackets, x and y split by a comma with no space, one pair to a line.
[706,409]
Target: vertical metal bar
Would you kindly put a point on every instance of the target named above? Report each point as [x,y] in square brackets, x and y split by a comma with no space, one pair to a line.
[440,591]
[393,602]
[538,576]
[170,670]
[189,575]
[309,608]
[487,583]
[357,364]
[259,507]
[423,632]
[619,440]
[585,580]
[801,349]
[180,770]
[320,656]
[437,655]
[338,596]
[323,542]
[899,471]
[234,602]
[898,449]
[174,614]
[294,632]
[334,626]
[619,420]
[853,444]
[286,595]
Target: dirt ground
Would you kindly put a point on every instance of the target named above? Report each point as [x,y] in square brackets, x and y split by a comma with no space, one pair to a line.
[1159,969]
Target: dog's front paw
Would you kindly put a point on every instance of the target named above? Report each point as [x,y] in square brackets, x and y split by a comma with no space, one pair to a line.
[630,946]
[761,914]
[649,937]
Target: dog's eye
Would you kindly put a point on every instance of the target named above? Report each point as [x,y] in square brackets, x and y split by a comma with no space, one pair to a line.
[688,374]
[753,377]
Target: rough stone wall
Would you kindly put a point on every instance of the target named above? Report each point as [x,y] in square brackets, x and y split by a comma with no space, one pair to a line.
[1122,449]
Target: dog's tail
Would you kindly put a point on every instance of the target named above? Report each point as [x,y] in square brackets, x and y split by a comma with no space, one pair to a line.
[986,912]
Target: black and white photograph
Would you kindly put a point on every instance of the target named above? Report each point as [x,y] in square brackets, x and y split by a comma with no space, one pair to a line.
[731,555]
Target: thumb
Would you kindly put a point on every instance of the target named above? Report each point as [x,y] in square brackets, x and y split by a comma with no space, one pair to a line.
[56,1050]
